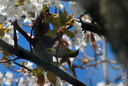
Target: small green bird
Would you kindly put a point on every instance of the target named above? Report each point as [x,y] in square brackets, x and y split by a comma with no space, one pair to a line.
[63,52]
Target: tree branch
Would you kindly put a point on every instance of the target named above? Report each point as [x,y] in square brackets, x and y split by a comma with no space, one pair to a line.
[95,64]
[92,27]
[22,66]
[8,60]
[17,27]
[20,52]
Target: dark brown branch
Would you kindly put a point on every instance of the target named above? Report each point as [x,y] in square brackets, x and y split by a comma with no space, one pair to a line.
[17,27]
[15,37]
[22,66]
[20,52]
[8,60]
[92,27]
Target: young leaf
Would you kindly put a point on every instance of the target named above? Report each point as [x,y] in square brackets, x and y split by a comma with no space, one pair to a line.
[37,71]
[85,61]
[2,32]
[23,63]
[40,76]
[45,8]
[41,79]
[52,77]
[20,3]
[1,25]
[70,19]
[4,58]
[54,19]
[73,53]
[63,17]
[93,42]
[51,33]
[87,37]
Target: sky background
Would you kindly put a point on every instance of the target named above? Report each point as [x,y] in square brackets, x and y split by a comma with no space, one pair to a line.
[95,74]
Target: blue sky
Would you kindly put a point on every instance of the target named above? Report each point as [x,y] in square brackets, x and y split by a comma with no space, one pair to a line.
[95,74]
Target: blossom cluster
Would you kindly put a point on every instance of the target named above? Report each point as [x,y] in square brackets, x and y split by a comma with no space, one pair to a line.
[7,33]
[15,9]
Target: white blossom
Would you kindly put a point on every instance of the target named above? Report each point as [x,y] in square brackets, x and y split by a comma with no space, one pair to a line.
[1,75]
[22,82]
[29,8]
[8,37]
[101,84]
[77,9]
[66,38]
[78,40]
[97,37]
[9,78]
[31,81]
[29,65]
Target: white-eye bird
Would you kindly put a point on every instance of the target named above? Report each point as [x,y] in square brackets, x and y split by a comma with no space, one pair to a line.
[63,52]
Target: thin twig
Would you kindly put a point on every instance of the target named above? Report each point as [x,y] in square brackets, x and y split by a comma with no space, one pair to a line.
[95,64]
[30,39]
[2,78]
[90,82]
[115,68]
[9,60]
[87,57]
[55,10]
[12,69]
[19,79]
[17,27]
[22,66]
[71,68]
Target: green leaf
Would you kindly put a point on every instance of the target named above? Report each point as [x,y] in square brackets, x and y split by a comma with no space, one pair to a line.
[52,77]
[51,33]
[23,63]
[54,19]
[37,71]
[20,3]
[63,17]
[65,13]
[87,37]
[45,8]
[69,19]
[1,33]
[39,75]
[70,34]
[1,25]
[41,79]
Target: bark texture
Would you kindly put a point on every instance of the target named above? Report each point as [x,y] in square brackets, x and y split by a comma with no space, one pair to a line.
[42,42]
